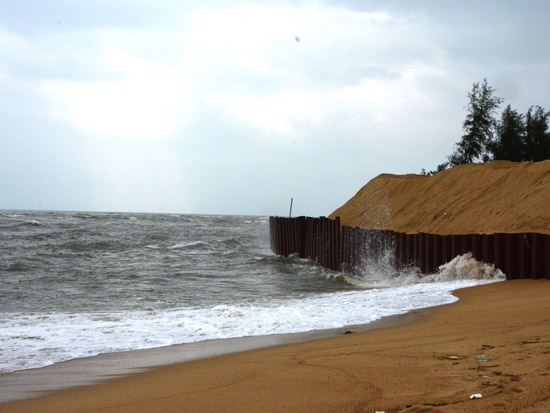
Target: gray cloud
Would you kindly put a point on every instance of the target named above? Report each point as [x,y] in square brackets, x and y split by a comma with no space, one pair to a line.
[216,108]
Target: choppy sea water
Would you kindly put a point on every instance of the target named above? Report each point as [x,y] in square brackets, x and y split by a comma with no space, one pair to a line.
[74,285]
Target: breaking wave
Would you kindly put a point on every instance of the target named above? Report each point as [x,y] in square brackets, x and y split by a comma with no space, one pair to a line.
[381,271]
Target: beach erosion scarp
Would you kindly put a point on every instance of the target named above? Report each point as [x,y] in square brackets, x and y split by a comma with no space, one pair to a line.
[487,198]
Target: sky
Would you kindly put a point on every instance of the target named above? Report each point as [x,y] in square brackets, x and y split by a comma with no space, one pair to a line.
[237,107]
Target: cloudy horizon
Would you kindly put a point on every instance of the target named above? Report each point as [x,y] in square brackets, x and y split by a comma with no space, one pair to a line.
[221,107]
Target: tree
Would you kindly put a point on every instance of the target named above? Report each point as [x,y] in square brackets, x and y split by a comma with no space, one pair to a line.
[509,144]
[478,127]
[516,137]
[537,138]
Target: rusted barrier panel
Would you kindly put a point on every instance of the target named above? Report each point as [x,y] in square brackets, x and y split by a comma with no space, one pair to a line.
[347,248]
[356,249]
[432,253]
[411,252]
[509,254]
[475,246]
[465,244]
[539,255]
[324,244]
[274,234]
[283,228]
[360,245]
[351,249]
[271,233]
[401,250]
[503,253]
[535,257]
[333,244]
[343,248]
[337,240]
[421,252]
[498,252]
[545,259]
[456,245]
[303,239]
[293,236]
[314,250]
[487,248]
[438,252]
[331,247]
[545,256]
[287,236]
[523,266]
[291,249]
[423,261]
[283,234]
[321,243]
[446,251]
[398,250]
[308,250]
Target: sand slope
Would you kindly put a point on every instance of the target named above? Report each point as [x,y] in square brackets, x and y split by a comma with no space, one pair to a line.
[488,198]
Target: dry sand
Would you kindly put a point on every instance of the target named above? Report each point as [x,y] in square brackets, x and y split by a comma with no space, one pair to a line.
[488,198]
[428,365]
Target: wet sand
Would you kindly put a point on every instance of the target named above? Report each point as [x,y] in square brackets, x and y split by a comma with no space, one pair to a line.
[26,384]
[427,364]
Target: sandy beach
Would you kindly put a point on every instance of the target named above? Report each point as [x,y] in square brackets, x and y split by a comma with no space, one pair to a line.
[427,364]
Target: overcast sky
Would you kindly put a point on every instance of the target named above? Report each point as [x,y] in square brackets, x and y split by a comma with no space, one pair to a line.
[235,107]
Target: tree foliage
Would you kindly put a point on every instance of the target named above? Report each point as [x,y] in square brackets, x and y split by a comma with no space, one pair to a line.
[478,127]
[510,132]
[536,138]
[515,137]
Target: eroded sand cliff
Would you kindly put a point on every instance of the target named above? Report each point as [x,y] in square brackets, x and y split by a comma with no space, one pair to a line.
[487,198]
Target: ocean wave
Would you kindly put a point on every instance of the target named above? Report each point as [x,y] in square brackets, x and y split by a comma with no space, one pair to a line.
[35,340]
[380,271]
[16,267]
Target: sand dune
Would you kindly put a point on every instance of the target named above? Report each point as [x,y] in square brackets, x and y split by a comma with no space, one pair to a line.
[488,198]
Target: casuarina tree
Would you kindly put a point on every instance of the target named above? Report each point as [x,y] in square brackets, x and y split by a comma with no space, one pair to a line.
[479,126]
[509,143]
[537,138]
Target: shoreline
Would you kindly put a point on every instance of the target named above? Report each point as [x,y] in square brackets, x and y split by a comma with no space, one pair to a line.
[36,382]
[426,364]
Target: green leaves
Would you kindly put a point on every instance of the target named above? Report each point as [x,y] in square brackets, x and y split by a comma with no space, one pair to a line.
[479,126]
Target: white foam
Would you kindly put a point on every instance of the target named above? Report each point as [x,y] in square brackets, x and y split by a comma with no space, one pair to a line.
[380,271]
[40,339]
[467,267]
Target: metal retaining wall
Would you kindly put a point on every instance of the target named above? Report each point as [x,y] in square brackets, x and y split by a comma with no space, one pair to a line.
[343,248]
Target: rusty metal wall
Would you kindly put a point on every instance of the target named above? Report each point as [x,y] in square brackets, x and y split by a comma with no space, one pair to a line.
[341,248]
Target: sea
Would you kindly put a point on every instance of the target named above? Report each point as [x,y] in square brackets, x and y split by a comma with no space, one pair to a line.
[80,284]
